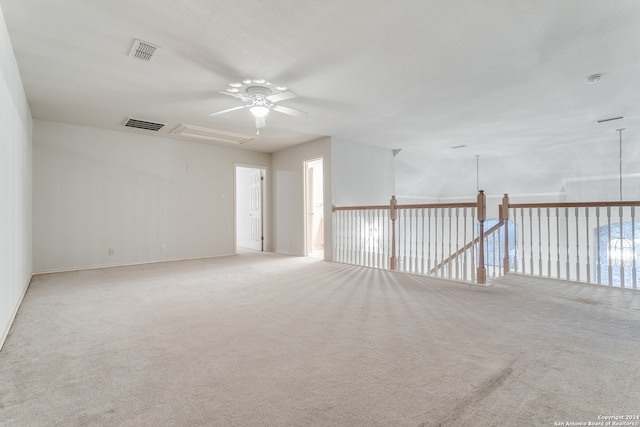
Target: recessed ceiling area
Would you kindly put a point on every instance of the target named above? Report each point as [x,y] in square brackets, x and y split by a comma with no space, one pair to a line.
[211,135]
[494,77]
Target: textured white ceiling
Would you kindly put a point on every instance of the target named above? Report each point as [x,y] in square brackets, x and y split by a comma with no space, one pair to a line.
[500,77]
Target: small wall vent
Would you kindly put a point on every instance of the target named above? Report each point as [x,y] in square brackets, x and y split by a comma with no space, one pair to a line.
[211,134]
[142,124]
[142,50]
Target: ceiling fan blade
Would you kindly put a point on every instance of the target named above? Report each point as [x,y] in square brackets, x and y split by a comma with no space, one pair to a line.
[289,111]
[236,95]
[228,110]
[281,96]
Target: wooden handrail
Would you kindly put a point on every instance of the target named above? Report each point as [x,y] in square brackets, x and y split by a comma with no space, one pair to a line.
[575,204]
[465,247]
[357,208]
[439,205]
[417,206]
[511,205]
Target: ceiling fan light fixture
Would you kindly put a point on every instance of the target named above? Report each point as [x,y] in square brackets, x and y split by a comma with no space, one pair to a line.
[259,110]
[259,98]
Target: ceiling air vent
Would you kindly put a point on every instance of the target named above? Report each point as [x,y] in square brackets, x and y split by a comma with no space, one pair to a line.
[211,134]
[142,50]
[611,119]
[143,124]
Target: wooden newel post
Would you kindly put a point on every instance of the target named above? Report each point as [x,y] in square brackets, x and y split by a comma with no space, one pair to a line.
[504,218]
[393,214]
[482,212]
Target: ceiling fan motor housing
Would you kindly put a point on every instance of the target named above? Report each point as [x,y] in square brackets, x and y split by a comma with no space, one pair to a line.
[258,95]
[258,90]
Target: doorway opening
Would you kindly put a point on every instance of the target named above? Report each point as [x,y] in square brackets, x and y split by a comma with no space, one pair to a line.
[250,208]
[314,208]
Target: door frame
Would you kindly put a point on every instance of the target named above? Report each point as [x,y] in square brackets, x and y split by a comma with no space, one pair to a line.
[264,196]
[305,202]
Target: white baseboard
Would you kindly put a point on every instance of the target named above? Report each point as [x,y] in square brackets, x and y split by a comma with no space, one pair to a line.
[288,253]
[99,266]
[5,333]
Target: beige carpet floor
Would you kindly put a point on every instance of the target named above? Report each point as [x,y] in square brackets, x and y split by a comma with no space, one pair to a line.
[270,340]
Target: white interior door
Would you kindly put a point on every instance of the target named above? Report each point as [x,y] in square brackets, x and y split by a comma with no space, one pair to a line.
[255,208]
[249,208]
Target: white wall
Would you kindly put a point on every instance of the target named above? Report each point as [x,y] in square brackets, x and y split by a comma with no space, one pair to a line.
[243,200]
[15,186]
[287,180]
[362,174]
[354,174]
[585,171]
[98,189]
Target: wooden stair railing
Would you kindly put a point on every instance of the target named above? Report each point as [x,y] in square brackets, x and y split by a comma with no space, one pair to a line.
[466,247]
[579,238]
[581,252]
[393,207]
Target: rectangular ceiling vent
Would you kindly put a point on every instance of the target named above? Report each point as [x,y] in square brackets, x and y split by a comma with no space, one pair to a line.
[211,134]
[142,50]
[611,119]
[143,124]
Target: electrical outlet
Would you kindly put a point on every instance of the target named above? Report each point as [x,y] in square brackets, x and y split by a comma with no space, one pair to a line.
[163,247]
[112,252]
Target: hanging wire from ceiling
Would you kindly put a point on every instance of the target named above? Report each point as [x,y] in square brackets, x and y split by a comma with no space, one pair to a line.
[620,158]
[477,173]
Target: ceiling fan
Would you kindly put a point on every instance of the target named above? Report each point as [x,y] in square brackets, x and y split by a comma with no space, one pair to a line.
[260,101]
